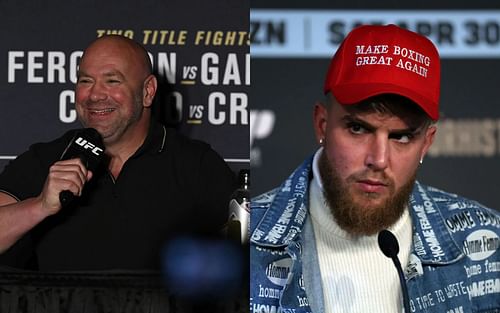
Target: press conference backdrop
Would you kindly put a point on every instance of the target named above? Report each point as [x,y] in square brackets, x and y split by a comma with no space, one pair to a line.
[199,49]
[291,49]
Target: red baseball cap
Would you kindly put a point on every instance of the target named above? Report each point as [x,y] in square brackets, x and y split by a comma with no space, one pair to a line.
[374,60]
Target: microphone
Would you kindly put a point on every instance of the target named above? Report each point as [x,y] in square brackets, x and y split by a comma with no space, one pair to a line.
[234,230]
[390,248]
[239,209]
[86,145]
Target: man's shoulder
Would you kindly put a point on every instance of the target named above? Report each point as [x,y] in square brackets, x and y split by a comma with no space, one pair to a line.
[291,196]
[259,206]
[462,217]
[264,200]
[184,143]
[190,156]
[49,150]
[24,176]
[193,152]
[450,202]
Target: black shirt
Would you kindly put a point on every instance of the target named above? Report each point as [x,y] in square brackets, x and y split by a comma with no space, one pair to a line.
[172,185]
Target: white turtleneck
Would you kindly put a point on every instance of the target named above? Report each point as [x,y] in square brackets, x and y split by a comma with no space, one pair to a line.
[356,275]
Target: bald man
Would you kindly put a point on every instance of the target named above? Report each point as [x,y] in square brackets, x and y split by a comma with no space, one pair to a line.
[155,184]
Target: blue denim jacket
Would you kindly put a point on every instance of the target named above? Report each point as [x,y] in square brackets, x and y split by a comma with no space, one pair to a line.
[454,264]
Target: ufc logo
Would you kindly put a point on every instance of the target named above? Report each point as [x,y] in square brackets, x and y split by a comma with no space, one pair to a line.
[88,146]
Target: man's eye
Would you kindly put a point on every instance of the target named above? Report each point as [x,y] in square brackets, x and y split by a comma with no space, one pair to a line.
[83,81]
[402,138]
[356,129]
[113,81]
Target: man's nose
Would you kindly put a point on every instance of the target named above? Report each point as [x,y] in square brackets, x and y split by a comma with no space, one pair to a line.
[377,157]
[97,92]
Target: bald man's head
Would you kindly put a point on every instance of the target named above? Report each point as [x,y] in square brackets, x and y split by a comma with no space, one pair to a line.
[131,50]
[115,89]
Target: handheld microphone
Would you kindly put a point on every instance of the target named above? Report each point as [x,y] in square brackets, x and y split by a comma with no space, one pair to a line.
[390,248]
[86,145]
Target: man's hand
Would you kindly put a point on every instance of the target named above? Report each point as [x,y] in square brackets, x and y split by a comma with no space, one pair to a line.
[63,175]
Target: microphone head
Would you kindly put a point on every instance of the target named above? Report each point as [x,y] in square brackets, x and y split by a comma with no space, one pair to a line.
[233,229]
[388,244]
[86,145]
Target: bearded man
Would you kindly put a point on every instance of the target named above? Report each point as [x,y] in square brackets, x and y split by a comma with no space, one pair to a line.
[314,240]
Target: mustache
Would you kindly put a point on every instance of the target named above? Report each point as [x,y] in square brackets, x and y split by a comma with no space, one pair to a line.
[371,176]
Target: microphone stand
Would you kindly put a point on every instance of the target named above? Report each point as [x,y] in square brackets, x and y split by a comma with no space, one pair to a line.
[390,247]
[404,289]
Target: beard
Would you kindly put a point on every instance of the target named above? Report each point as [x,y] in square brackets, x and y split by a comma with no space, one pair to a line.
[357,212]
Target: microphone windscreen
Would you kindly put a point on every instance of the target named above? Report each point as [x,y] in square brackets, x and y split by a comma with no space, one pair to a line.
[86,145]
[388,243]
[234,230]
[239,219]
